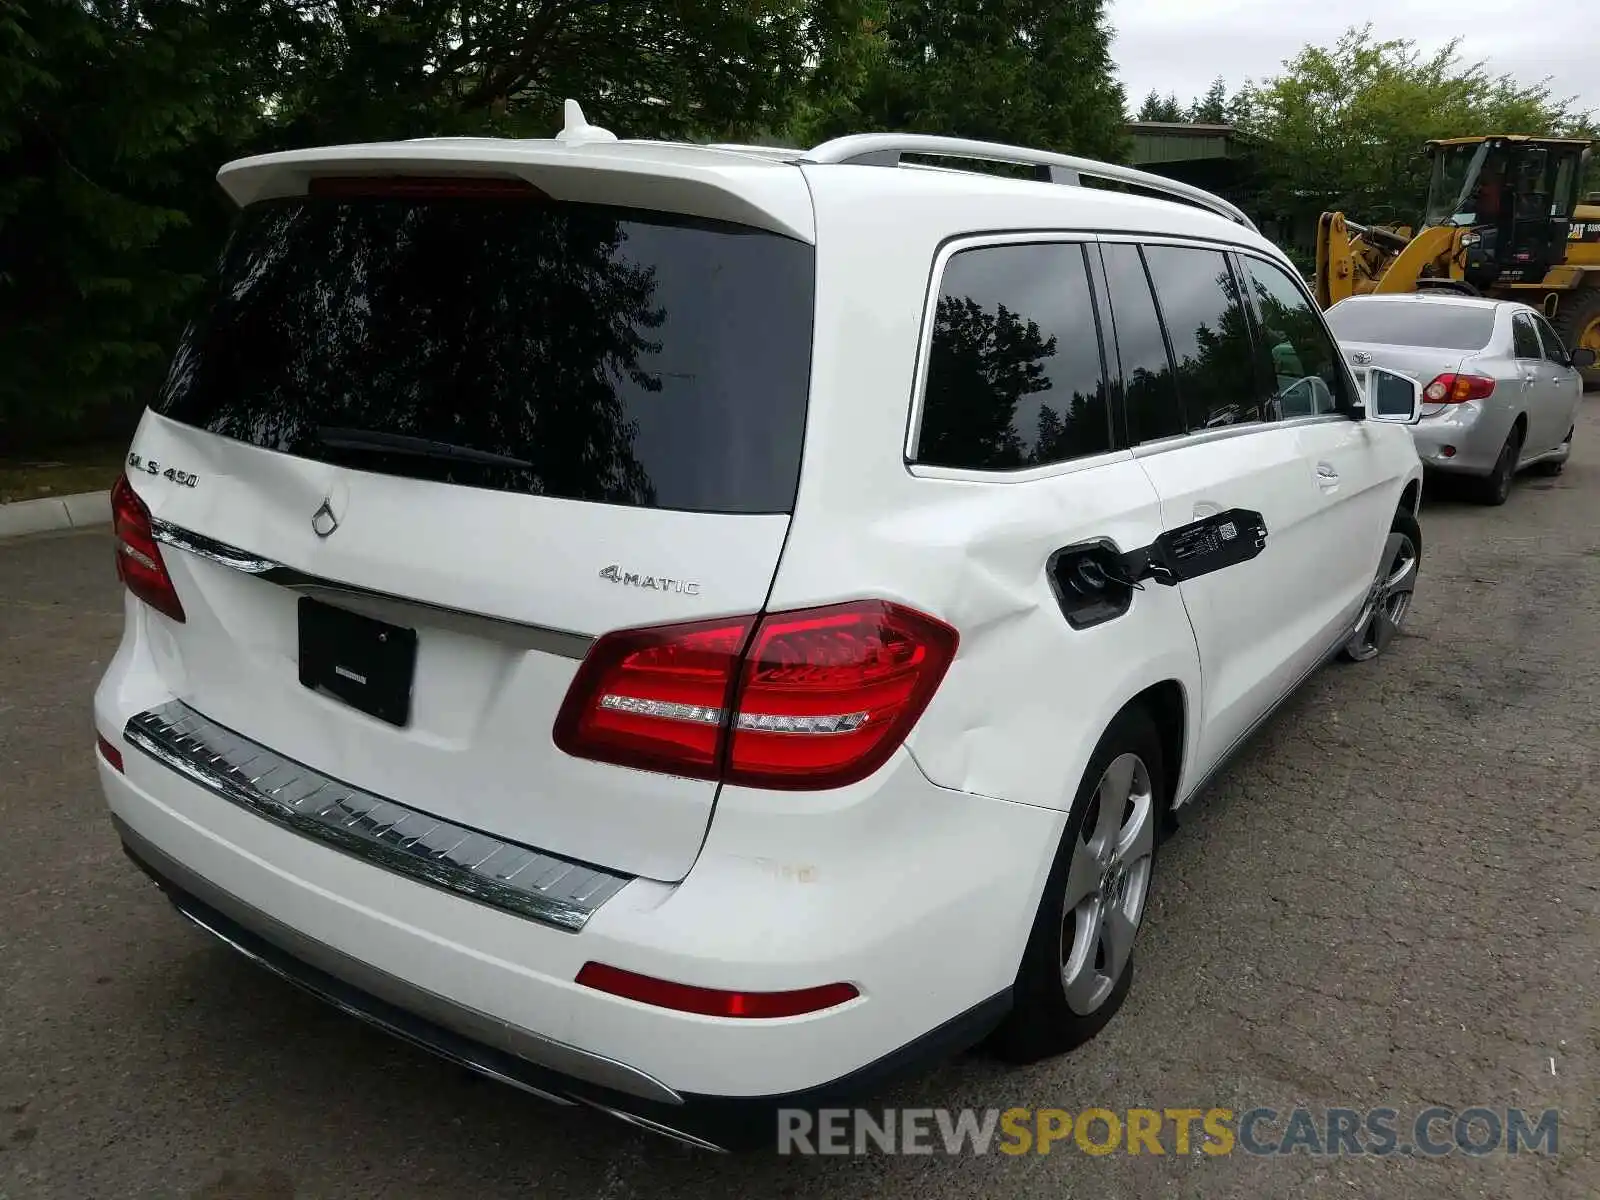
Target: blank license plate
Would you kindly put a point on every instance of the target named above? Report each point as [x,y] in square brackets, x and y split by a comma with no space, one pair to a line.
[364,663]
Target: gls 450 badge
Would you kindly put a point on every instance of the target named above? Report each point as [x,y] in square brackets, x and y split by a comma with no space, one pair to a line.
[151,467]
[616,574]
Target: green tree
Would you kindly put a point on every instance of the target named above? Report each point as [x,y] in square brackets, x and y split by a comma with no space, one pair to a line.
[112,116]
[1342,127]
[1033,72]
[343,69]
[1159,108]
[1212,108]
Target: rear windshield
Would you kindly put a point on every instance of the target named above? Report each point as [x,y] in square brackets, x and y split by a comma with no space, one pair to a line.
[564,350]
[1387,323]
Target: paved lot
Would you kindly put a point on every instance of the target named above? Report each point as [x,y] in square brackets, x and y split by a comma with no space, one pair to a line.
[1393,899]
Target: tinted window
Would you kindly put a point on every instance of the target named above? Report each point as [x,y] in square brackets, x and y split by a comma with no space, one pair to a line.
[597,353]
[1412,323]
[1307,373]
[1525,338]
[1014,370]
[1210,335]
[1553,349]
[1150,395]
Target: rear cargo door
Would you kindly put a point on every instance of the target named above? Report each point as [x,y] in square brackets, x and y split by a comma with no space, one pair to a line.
[426,444]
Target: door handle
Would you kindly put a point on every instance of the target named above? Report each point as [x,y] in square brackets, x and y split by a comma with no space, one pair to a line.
[1327,477]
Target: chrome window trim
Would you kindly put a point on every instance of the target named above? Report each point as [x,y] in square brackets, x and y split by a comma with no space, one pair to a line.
[536,884]
[1068,466]
[373,981]
[930,305]
[383,605]
[1183,441]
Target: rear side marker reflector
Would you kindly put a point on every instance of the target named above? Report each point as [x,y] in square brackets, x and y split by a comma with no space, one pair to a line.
[713,1002]
[109,752]
[812,699]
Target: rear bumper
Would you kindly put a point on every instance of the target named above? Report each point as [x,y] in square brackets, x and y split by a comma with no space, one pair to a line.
[1471,433]
[434,1023]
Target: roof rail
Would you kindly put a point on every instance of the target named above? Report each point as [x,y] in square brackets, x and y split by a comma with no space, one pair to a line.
[886,149]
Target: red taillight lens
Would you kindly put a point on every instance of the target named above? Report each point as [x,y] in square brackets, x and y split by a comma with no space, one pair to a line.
[713,1002]
[810,699]
[1451,388]
[826,695]
[139,564]
[655,698]
[109,752]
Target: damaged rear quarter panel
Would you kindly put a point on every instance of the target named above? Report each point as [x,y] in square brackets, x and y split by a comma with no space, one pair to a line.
[1027,697]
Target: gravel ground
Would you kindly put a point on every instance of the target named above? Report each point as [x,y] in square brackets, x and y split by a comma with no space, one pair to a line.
[1391,899]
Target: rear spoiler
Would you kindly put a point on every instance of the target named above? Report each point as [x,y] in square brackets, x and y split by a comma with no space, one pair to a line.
[691,180]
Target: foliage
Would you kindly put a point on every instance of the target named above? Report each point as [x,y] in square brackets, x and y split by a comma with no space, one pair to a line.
[1035,72]
[111,118]
[1161,108]
[1213,108]
[1344,125]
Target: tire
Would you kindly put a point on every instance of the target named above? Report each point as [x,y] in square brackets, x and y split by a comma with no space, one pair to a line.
[1576,315]
[1494,489]
[1069,984]
[1389,601]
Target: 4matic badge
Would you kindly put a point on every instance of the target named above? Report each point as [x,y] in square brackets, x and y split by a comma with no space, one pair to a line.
[616,574]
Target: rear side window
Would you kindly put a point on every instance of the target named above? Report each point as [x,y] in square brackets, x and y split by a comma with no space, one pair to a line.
[1149,392]
[1210,335]
[1553,348]
[1308,376]
[1015,377]
[1412,323]
[566,350]
[1524,337]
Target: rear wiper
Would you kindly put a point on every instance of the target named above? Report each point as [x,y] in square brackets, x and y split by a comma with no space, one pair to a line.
[399,443]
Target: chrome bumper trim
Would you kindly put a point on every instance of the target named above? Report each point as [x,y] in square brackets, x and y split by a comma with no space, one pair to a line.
[366,980]
[383,605]
[530,883]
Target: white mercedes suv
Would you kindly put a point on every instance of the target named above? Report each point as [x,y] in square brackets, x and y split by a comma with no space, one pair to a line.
[693,630]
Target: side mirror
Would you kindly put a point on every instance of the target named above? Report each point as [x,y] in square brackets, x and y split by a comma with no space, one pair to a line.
[1393,397]
[1583,358]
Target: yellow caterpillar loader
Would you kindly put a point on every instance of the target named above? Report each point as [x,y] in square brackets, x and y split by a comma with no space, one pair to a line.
[1505,218]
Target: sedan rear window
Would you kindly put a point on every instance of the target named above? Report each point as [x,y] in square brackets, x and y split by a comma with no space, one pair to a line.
[1404,323]
[567,350]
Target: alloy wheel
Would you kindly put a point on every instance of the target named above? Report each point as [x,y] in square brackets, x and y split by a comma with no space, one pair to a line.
[1388,602]
[1108,881]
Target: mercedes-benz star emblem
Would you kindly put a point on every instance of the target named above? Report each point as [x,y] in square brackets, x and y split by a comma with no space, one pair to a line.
[323,522]
[1361,358]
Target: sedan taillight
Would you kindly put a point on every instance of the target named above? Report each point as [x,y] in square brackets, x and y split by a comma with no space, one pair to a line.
[1451,388]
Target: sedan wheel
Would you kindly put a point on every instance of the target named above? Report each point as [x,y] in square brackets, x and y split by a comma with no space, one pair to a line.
[1390,598]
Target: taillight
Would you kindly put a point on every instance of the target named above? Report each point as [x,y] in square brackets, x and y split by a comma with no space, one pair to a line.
[802,700]
[712,1002]
[139,564]
[1451,388]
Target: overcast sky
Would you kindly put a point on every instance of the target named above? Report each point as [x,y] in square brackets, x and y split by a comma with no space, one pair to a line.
[1182,45]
